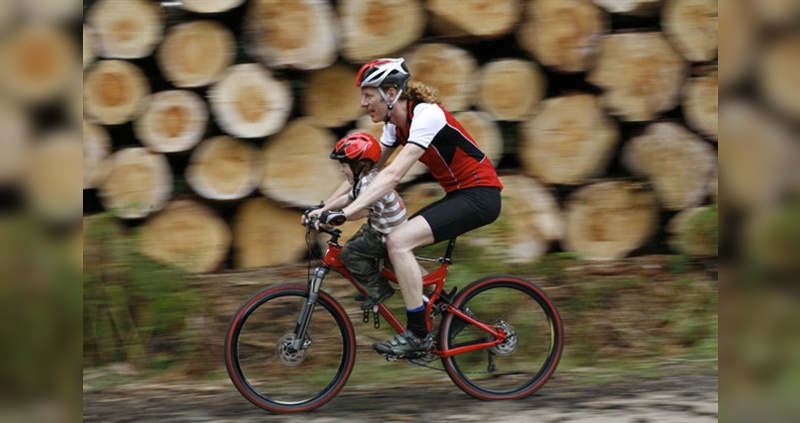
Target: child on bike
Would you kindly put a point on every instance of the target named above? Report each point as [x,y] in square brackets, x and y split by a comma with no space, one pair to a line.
[358,155]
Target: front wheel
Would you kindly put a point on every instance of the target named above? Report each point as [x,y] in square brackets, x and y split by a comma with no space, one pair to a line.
[527,358]
[265,368]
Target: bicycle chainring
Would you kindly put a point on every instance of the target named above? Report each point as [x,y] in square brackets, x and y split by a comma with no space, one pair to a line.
[423,360]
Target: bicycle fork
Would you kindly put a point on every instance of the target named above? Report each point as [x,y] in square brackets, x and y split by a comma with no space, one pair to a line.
[301,327]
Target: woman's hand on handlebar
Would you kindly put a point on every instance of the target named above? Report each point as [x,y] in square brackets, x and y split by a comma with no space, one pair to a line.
[332,218]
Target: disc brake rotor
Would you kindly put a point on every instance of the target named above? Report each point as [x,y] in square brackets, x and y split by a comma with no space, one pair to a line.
[511,342]
[284,353]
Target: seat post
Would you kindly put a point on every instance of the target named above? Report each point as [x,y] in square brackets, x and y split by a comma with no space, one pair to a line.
[448,255]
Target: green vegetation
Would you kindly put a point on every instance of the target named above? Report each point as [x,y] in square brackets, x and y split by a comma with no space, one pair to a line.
[40,308]
[134,308]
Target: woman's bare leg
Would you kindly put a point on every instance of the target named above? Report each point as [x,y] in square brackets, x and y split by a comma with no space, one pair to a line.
[401,245]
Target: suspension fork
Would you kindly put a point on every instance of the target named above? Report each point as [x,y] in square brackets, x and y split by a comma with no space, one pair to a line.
[301,327]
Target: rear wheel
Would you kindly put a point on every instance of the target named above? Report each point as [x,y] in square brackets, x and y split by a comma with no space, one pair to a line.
[525,360]
[265,368]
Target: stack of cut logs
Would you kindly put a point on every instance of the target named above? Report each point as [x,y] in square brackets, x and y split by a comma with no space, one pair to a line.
[208,123]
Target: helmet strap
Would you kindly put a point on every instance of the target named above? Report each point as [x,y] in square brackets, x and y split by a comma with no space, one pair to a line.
[390,104]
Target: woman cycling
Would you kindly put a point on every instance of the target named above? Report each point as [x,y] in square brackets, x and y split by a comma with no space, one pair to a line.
[415,119]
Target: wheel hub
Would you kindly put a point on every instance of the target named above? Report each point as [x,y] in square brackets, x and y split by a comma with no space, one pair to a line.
[509,345]
[284,352]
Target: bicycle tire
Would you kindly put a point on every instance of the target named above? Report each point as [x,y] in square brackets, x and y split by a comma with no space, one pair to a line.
[522,365]
[275,380]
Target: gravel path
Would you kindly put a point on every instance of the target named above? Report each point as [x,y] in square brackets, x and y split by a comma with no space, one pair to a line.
[669,399]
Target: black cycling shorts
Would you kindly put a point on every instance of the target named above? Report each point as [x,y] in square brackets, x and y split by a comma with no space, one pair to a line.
[461,211]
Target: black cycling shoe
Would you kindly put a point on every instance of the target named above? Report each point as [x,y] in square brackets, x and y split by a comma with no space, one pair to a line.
[405,344]
[372,302]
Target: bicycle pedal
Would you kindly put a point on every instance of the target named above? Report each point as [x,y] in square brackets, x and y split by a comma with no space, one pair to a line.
[377,317]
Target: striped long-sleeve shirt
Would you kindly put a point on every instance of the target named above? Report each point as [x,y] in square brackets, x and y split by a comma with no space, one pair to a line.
[385,214]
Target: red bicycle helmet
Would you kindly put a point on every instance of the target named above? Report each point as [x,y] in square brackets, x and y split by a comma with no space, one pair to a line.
[380,72]
[356,147]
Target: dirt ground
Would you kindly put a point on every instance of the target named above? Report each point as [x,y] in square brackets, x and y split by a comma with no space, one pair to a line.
[674,398]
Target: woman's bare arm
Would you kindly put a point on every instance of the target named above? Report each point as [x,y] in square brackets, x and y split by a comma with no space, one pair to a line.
[387,179]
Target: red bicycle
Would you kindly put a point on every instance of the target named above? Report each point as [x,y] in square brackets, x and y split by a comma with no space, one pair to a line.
[291,347]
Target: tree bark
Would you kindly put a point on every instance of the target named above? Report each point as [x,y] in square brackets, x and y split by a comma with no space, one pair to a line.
[570,139]
[301,36]
[777,13]
[248,102]
[210,6]
[778,75]
[138,183]
[265,234]
[609,219]
[53,174]
[630,7]
[691,25]
[330,98]
[15,142]
[700,106]
[96,148]
[563,35]
[126,29]
[114,92]
[297,168]
[693,232]
[640,73]
[194,54]
[188,235]
[760,153]
[49,11]
[770,239]
[378,28]
[37,63]
[481,18]
[88,46]
[678,164]
[529,221]
[174,121]
[225,168]
[485,132]
[500,92]
[8,11]
[450,69]
[737,41]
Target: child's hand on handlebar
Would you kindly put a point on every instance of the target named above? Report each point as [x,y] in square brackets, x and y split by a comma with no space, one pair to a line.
[311,213]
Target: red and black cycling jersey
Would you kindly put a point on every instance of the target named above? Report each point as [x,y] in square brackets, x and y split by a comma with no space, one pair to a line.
[452,156]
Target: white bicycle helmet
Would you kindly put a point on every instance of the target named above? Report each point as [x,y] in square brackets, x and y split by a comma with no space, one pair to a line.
[381,72]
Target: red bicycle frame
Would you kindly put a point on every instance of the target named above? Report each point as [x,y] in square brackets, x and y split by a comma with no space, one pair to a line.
[437,279]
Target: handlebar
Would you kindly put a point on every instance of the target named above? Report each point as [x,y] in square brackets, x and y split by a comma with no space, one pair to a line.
[311,223]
